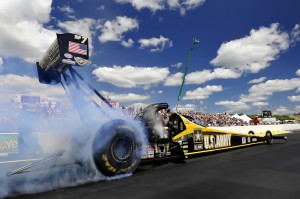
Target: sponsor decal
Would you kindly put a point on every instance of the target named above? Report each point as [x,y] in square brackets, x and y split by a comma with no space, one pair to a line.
[254,139]
[244,141]
[249,139]
[8,143]
[198,147]
[68,55]
[81,61]
[77,48]
[68,61]
[129,168]
[185,142]
[150,152]
[107,164]
[217,141]
[198,136]
[82,38]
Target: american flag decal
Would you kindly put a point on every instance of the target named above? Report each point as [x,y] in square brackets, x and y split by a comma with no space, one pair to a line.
[77,48]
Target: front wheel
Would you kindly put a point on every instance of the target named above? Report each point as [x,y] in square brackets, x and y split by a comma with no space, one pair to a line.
[117,148]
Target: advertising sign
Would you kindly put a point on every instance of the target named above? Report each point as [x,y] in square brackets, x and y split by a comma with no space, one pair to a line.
[8,143]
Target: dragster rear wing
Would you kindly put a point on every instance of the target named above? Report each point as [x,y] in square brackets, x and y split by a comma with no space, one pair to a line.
[68,49]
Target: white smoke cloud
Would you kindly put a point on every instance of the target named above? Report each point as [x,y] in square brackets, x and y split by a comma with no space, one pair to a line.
[64,171]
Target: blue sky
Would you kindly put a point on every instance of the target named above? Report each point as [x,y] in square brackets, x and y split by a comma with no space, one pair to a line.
[247,58]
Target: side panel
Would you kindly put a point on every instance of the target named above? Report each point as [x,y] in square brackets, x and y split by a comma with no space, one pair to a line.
[202,142]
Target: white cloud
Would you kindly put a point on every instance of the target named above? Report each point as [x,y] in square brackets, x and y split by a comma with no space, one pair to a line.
[128,97]
[183,6]
[177,65]
[22,34]
[102,7]
[202,93]
[298,72]
[203,76]
[152,5]
[294,98]
[11,85]
[155,5]
[295,34]
[156,44]
[233,106]
[262,91]
[186,107]
[160,92]
[114,30]
[282,110]
[66,9]
[253,53]
[1,63]
[174,79]
[259,104]
[200,77]
[259,80]
[129,43]
[84,27]
[139,105]
[131,76]
[297,108]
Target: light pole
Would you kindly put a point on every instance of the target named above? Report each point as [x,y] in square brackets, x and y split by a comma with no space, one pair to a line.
[195,41]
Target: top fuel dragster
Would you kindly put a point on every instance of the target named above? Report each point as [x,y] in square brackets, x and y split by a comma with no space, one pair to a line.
[117,145]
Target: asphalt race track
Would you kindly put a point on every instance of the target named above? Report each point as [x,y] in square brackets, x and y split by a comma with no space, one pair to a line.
[265,171]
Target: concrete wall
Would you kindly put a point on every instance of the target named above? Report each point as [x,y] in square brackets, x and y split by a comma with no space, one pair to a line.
[261,129]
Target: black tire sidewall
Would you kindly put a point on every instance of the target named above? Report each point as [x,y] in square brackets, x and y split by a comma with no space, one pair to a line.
[269,137]
[103,149]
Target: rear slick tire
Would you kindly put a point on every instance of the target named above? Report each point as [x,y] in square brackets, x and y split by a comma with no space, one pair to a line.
[117,148]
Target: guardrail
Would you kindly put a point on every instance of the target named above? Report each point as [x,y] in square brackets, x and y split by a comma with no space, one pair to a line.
[51,141]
